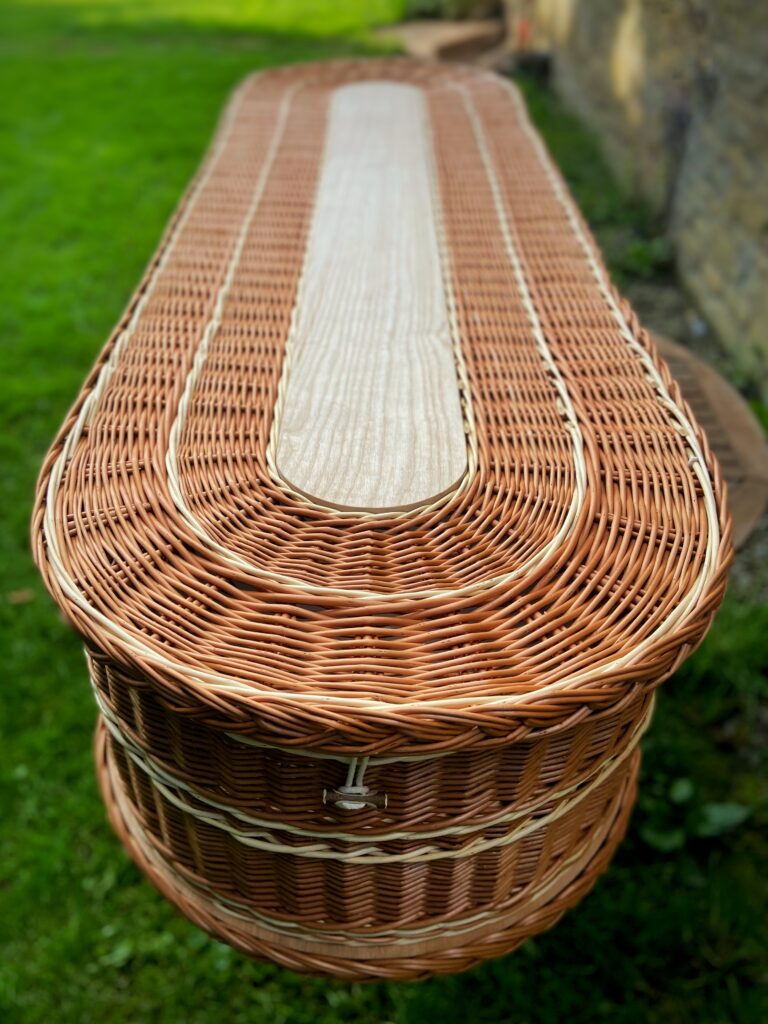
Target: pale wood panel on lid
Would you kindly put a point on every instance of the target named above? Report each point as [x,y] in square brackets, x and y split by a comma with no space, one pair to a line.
[370,412]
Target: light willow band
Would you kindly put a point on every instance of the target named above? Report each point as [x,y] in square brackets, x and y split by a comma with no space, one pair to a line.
[260,833]
[368,944]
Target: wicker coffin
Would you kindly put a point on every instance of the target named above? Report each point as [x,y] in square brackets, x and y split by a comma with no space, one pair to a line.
[381,520]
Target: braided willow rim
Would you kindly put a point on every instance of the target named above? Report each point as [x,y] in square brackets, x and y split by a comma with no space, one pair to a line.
[378,742]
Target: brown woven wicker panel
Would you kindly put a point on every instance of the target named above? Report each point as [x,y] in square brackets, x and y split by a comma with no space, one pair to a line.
[503,896]
[391,740]
[314,886]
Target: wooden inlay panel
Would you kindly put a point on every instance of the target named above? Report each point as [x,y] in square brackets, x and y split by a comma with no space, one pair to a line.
[369,415]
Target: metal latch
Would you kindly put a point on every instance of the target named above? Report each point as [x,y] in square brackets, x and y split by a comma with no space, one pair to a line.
[354,795]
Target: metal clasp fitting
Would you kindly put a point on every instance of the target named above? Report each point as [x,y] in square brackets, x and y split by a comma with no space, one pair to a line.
[354,798]
[354,795]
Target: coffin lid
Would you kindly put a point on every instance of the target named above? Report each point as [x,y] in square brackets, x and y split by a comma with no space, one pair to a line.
[377,458]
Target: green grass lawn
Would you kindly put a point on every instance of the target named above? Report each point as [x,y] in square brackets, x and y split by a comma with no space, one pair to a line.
[106,109]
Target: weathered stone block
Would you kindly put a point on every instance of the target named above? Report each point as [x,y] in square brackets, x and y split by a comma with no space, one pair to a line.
[677,93]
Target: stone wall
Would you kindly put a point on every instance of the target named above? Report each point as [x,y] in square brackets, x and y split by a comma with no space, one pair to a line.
[677,90]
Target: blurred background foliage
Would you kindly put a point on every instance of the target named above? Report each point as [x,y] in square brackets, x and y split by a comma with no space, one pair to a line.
[107,107]
[458,9]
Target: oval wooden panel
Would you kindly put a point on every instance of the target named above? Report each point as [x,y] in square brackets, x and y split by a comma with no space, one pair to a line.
[370,414]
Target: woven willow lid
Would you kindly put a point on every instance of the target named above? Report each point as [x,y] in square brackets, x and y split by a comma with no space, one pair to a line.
[377,459]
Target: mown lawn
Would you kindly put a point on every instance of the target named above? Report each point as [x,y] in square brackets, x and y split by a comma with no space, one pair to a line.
[106,107]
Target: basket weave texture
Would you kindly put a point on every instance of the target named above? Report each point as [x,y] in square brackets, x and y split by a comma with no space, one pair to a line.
[379,744]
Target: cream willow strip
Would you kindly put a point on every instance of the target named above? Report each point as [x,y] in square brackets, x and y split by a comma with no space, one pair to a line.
[565,405]
[172,790]
[164,778]
[404,936]
[316,755]
[245,565]
[88,408]
[696,461]
[374,759]
[455,928]
[201,354]
[219,681]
